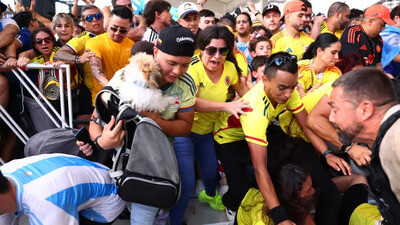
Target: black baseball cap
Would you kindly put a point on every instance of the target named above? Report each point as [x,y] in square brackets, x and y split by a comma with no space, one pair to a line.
[271,7]
[176,40]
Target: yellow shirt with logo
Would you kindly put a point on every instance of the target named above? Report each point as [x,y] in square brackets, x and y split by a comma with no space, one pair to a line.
[283,42]
[242,62]
[324,29]
[289,124]
[252,127]
[113,56]
[308,78]
[77,44]
[204,121]
[252,209]
[185,93]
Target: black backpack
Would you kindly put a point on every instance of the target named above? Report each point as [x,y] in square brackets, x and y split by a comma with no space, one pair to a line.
[388,205]
[144,167]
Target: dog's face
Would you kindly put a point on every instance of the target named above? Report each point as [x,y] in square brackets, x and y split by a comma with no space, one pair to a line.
[149,69]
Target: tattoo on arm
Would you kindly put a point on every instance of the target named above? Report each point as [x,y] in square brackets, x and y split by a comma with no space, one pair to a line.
[97,71]
[65,54]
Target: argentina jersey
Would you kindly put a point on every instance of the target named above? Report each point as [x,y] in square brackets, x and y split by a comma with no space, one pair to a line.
[54,188]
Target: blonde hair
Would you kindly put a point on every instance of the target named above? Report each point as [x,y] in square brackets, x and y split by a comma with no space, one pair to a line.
[56,20]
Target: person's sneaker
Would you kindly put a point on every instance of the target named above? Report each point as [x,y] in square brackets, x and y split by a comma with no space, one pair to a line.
[214,202]
[230,214]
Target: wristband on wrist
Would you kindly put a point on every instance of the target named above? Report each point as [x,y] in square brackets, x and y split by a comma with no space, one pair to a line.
[348,148]
[326,153]
[278,215]
[96,143]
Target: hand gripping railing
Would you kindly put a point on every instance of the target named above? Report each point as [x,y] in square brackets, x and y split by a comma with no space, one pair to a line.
[31,87]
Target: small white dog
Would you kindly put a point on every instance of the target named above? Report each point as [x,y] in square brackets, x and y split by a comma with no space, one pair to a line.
[141,85]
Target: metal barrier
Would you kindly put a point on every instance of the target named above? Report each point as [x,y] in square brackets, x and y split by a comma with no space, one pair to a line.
[32,88]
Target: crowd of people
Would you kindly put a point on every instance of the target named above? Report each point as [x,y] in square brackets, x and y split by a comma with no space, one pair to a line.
[277,112]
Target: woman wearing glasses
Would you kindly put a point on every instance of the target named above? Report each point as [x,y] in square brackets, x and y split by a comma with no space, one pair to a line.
[215,72]
[318,64]
[44,46]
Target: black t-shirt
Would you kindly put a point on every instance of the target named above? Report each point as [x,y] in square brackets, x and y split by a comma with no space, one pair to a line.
[354,39]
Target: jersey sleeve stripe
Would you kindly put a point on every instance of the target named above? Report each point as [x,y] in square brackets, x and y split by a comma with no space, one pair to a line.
[190,78]
[186,109]
[256,139]
[73,49]
[294,110]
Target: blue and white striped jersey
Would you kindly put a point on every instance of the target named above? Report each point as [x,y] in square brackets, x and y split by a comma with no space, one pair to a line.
[54,188]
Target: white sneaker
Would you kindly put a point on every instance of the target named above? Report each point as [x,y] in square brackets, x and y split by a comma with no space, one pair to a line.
[231,215]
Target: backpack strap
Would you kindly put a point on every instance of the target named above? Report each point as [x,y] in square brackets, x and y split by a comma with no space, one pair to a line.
[107,109]
[380,186]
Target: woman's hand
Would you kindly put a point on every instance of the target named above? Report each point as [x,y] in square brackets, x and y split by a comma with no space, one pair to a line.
[22,62]
[236,107]
[338,164]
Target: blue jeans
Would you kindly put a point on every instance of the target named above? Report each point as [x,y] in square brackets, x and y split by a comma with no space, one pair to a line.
[187,149]
[142,214]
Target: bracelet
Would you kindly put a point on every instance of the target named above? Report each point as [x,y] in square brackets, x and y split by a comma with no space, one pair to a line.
[278,215]
[77,59]
[97,144]
[326,153]
[258,12]
[12,57]
[348,148]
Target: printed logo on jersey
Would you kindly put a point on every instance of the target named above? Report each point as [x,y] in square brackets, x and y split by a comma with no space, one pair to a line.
[289,50]
[363,47]
[201,84]
[227,80]
[177,103]
[378,48]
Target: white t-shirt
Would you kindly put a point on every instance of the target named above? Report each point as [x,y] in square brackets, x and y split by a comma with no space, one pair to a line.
[56,188]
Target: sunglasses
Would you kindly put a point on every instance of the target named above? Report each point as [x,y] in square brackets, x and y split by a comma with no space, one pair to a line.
[280,61]
[40,40]
[210,50]
[115,29]
[97,16]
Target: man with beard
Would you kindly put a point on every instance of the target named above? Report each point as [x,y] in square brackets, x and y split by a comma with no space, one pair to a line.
[338,18]
[361,103]
[365,38]
[292,39]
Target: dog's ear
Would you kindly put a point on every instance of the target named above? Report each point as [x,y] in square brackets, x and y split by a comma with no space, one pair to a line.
[155,79]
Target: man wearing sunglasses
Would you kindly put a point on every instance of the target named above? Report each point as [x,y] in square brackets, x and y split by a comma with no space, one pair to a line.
[338,18]
[112,49]
[237,139]
[74,51]
[292,39]
[139,25]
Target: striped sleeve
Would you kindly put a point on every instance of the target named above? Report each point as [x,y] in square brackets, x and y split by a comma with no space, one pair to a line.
[189,93]
[294,104]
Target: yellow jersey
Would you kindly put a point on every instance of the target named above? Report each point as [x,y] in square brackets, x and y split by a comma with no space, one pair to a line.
[77,44]
[252,209]
[204,121]
[324,29]
[289,124]
[283,42]
[113,56]
[242,62]
[308,78]
[252,127]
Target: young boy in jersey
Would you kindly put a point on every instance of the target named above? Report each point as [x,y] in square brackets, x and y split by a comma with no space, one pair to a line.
[260,46]
[58,189]
[258,67]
